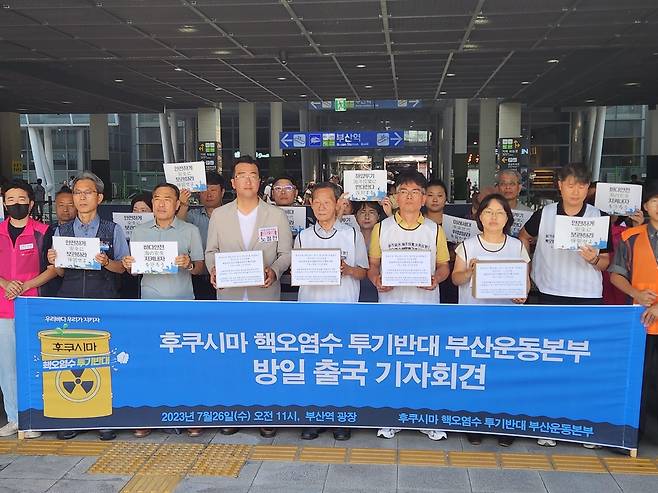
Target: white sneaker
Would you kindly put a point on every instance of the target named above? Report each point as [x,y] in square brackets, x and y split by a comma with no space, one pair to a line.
[546,442]
[435,434]
[591,446]
[387,432]
[9,429]
[31,434]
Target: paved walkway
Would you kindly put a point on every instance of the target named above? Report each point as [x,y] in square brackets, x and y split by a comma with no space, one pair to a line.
[164,462]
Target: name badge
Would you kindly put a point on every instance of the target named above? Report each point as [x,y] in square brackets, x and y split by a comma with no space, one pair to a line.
[268,235]
[26,246]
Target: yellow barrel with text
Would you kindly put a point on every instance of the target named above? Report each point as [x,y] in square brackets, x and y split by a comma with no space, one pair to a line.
[77,380]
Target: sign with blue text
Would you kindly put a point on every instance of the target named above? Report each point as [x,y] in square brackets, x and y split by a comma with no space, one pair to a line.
[535,371]
[345,139]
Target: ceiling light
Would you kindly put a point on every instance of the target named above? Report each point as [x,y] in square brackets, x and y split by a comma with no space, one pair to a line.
[631,84]
[443,93]
[450,75]
[590,100]
[471,46]
[187,29]
[168,97]
[118,80]
[360,65]
[65,102]
[218,89]
[302,95]
[221,52]
[178,69]
[553,60]
[281,78]
[21,109]
[368,87]
[481,20]
[525,82]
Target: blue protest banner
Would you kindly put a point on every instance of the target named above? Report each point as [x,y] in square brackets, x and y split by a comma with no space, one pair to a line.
[566,373]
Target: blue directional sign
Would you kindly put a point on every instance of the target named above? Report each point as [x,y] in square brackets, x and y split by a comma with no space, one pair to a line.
[394,104]
[368,104]
[349,139]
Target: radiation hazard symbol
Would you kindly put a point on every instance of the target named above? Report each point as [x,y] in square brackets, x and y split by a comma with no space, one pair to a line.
[78,385]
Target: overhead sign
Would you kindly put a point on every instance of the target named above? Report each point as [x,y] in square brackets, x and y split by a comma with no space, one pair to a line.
[392,104]
[348,139]
[364,104]
[340,104]
[511,154]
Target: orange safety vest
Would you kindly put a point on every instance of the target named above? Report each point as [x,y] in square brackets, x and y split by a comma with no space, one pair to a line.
[644,268]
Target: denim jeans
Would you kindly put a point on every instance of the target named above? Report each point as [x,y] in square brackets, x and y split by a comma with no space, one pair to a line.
[8,368]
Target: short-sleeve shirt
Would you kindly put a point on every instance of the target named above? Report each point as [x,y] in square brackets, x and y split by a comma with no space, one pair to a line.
[119,242]
[624,257]
[170,286]
[442,254]
[199,217]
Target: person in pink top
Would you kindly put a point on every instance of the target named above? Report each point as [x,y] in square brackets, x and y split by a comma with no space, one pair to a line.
[24,268]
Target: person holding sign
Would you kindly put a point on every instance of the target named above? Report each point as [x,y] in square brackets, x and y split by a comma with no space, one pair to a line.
[167,227]
[211,198]
[634,271]
[409,230]
[329,233]
[494,218]
[245,225]
[566,277]
[141,203]
[23,270]
[367,215]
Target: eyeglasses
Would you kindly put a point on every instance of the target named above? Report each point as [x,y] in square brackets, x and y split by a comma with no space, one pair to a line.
[415,193]
[490,213]
[84,193]
[284,188]
[247,176]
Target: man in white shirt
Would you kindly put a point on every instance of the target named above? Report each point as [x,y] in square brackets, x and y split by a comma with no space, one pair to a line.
[509,186]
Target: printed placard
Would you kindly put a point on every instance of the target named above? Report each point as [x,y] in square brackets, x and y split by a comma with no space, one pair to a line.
[154,257]
[573,232]
[269,234]
[77,253]
[239,269]
[296,218]
[315,267]
[520,218]
[618,199]
[500,279]
[365,185]
[458,229]
[190,176]
[129,220]
[350,220]
[407,268]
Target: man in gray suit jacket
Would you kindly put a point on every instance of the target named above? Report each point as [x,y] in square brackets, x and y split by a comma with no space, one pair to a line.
[246,224]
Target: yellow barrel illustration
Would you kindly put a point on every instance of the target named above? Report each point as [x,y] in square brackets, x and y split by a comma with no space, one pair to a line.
[77,380]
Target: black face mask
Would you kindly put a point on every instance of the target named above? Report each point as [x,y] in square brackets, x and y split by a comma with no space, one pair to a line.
[18,211]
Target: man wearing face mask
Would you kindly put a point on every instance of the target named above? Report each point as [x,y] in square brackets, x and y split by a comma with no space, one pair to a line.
[23,270]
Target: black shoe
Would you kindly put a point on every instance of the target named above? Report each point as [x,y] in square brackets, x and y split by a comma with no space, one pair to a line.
[67,434]
[309,434]
[474,438]
[342,434]
[107,435]
[505,441]
[268,432]
[228,431]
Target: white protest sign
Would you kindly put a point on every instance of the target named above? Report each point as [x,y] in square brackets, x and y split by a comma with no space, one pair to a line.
[520,218]
[407,268]
[296,218]
[365,185]
[154,257]
[618,199]
[505,279]
[315,267]
[458,229]
[239,269]
[573,232]
[350,220]
[77,253]
[191,176]
[128,220]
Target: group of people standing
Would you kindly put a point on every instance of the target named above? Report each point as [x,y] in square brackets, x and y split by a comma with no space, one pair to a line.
[410,219]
